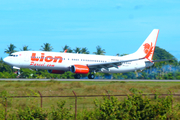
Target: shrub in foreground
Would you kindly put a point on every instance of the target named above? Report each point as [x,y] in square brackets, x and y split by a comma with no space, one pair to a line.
[134,107]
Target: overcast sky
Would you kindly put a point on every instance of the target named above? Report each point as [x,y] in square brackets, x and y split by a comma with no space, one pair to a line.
[118,26]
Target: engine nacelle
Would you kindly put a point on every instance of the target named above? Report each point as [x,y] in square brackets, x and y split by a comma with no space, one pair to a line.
[79,69]
[56,71]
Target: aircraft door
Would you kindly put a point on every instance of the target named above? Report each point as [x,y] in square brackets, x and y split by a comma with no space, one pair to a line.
[26,58]
[136,65]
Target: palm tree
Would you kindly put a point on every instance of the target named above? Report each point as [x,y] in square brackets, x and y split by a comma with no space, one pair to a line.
[46,47]
[25,48]
[117,54]
[99,51]
[1,63]
[11,49]
[84,51]
[77,50]
[123,54]
[67,48]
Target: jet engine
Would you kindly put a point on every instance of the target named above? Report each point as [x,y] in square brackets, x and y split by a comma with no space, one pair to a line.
[56,71]
[79,69]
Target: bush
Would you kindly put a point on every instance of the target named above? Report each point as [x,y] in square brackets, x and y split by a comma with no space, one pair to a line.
[134,107]
[31,114]
[60,113]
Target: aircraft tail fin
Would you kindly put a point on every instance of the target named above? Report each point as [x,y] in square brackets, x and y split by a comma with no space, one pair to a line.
[148,46]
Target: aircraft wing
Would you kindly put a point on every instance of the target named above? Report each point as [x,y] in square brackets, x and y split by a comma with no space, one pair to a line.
[98,66]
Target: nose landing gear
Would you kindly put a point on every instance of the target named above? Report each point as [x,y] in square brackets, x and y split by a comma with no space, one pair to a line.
[18,73]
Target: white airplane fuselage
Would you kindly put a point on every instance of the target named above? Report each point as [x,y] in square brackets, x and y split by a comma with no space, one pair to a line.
[56,62]
[63,61]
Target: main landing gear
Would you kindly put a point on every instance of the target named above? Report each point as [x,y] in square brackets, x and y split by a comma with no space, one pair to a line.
[77,76]
[91,76]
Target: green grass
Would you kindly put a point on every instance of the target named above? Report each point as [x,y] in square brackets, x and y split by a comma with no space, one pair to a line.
[54,88]
[85,88]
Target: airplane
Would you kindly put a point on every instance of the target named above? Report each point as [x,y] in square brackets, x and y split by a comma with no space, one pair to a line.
[59,63]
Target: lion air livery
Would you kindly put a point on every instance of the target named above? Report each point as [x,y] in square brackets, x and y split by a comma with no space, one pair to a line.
[58,63]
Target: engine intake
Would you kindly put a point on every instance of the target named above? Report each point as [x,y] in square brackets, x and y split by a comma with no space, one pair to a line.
[79,69]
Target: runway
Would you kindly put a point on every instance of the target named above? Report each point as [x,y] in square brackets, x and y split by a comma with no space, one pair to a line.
[95,80]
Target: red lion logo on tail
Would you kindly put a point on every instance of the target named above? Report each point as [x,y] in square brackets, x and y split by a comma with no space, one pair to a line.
[148,49]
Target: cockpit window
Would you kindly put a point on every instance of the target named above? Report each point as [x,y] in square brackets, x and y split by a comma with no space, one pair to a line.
[14,55]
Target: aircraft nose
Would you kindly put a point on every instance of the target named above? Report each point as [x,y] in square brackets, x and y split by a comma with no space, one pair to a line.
[6,60]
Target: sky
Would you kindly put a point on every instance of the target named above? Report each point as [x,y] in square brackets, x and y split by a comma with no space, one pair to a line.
[118,26]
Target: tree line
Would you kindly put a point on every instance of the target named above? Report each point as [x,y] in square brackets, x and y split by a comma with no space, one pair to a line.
[47,47]
[160,70]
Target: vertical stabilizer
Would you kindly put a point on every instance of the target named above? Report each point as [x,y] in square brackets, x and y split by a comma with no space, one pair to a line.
[148,47]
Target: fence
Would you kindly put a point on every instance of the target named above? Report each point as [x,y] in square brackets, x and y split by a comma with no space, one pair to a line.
[75,96]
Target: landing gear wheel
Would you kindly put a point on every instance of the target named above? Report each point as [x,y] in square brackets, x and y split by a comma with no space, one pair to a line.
[91,76]
[18,73]
[77,76]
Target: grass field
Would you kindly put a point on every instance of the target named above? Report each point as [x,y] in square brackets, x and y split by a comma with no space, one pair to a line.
[56,88]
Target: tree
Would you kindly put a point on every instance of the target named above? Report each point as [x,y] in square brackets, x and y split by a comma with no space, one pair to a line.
[77,50]
[100,51]
[117,54]
[67,48]
[10,50]
[46,47]
[160,53]
[123,54]
[84,51]
[25,48]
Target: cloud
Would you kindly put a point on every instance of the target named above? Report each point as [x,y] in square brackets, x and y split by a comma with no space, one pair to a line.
[118,6]
[131,16]
[137,7]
